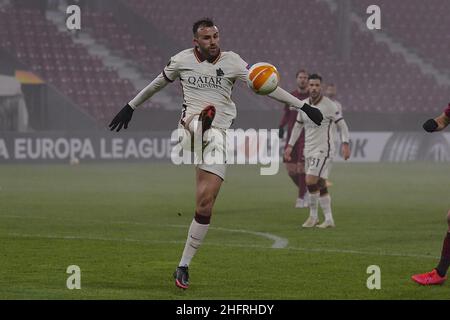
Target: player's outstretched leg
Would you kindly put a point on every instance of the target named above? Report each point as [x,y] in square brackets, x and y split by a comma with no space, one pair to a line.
[205,119]
[197,232]
[181,276]
[197,125]
[208,186]
[438,274]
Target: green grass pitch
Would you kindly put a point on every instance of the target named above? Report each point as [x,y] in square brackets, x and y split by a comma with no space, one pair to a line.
[125,226]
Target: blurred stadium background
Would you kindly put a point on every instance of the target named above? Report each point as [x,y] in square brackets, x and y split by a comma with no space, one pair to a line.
[57,86]
[387,80]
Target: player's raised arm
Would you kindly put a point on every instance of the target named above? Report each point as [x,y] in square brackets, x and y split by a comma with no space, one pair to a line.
[124,116]
[168,75]
[281,95]
[439,123]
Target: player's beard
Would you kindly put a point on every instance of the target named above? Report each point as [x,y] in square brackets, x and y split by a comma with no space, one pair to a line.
[209,54]
[213,52]
[315,96]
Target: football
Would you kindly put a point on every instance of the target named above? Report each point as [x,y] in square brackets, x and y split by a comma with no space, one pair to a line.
[263,78]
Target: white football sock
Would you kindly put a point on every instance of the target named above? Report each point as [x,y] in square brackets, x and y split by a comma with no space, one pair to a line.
[325,204]
[313,204]
[196,234]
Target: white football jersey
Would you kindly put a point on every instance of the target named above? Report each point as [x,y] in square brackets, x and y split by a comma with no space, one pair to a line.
[319,140]
[207,83]
[339,106]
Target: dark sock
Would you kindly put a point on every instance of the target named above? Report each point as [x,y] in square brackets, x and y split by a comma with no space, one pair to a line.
[301,185]
[202,219]
[294,178]
[445,257]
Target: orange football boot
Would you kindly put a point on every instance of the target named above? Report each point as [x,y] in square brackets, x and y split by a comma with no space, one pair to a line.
[429,278]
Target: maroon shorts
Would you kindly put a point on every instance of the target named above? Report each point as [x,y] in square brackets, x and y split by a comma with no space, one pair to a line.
[297,153]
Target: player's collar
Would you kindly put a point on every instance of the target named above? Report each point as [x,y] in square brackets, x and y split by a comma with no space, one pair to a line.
[315,103]
[200,58]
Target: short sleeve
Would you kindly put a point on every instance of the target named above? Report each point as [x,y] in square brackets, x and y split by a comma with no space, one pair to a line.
[172,70]
[338,112]
[241,68]
[340,108]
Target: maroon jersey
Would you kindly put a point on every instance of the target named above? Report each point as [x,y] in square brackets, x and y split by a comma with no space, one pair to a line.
[447,111]
[289,118]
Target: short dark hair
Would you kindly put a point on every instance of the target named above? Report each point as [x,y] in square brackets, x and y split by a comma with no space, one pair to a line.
[301,71]
[315,76]
[205,22]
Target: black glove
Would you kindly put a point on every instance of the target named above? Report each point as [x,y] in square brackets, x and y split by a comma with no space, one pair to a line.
[313,113]
[281,132]
[430,125]
[122,118]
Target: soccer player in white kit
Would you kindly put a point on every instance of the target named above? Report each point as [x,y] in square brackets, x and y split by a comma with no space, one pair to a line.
[207,76]
[331,92]
[319,150]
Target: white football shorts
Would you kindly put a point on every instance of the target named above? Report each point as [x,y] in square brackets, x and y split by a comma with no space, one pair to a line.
[318,166]
[212,155]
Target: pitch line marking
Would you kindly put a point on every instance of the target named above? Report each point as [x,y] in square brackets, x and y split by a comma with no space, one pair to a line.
[278,245]
[278,242]
[313,250]
[61,237]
